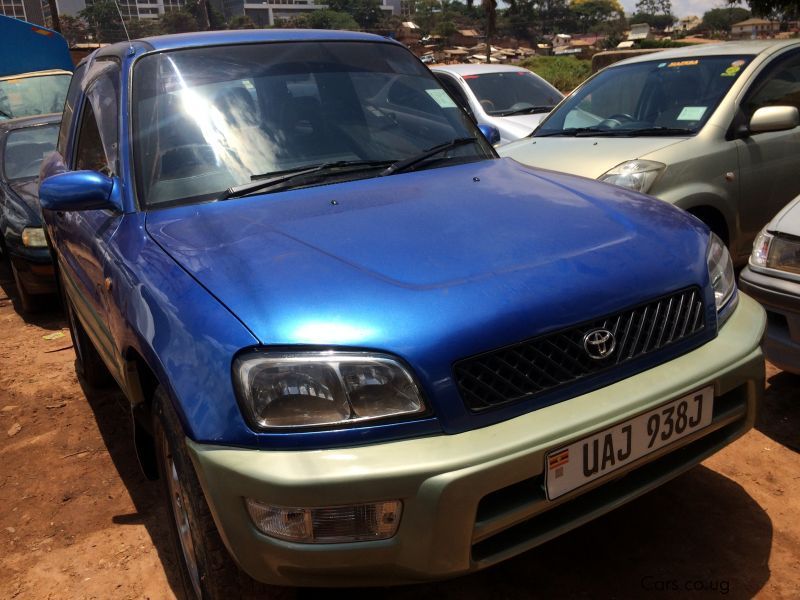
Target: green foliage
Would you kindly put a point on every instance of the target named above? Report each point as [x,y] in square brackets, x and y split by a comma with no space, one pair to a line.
[178,21]
[141,28]
[325,19]
[367,13]
[660,44]
[655,21]
[590,13]
[654,7]
[103,22]
[782,10]
[721,19]
[241,22]
[563,72]
[73,29]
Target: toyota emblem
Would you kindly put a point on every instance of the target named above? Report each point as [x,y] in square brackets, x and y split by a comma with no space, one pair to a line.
[599,343]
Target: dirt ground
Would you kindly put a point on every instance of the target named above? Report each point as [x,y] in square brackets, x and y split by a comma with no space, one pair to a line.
[78,520]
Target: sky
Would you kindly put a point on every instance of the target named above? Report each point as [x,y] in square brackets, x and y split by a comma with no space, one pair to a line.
[683,8]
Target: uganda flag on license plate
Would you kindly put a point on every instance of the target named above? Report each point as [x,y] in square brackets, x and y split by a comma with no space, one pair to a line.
[555,461]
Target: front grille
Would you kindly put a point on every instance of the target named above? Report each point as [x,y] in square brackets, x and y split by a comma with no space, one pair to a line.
[531,368]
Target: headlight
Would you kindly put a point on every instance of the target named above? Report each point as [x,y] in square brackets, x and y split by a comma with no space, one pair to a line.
[33,237]
[720,271]
[313,389]
[638,175]
[776,252]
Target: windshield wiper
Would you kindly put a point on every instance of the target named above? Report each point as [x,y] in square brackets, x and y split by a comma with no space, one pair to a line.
[657,131]
[572,132]
[402,165]
[5,114]
[262,182]
[528,110]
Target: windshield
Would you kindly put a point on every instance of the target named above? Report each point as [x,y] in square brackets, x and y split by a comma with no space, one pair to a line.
[208,121]
[661,96]
[512,92]
[28,96]
[25,149]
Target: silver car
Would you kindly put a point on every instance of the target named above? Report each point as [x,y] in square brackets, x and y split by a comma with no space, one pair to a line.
[711,129]
[773,278]
[510,98]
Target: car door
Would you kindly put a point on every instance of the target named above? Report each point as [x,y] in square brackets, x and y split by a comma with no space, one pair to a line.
[85,234]
[769,161]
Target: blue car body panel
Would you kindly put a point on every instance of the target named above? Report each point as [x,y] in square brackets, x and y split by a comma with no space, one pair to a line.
[431,266]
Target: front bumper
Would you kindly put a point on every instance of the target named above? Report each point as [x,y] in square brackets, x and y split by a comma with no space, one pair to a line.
[473,499]
[781,299]
[35,271]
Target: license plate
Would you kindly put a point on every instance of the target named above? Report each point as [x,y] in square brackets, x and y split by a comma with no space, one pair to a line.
[581,462]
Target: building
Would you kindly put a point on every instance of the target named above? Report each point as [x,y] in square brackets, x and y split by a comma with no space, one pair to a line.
[147,9]
[753,29]
[25,10]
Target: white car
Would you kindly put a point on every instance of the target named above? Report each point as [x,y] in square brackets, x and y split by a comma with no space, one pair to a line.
[510,98]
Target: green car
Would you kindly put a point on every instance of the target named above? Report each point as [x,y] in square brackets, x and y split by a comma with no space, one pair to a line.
[711,129]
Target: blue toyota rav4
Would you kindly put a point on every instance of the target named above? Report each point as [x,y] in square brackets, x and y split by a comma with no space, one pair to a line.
[359,348]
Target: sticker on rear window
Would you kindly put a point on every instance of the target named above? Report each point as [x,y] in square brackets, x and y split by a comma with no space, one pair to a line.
[684,63]
[692,113]
[441,98]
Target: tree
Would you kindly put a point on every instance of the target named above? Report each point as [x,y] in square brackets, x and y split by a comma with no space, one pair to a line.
[102,19]
[721,19]
[589,13]
[490,9]
[178,21]
[241,22]
[367,13]
[654,7]
[325,19]
[73,29]
[140,28]
[782,10]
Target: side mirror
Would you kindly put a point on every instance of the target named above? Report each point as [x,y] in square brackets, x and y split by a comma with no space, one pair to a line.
[774,118]
[79,190]
[490,132]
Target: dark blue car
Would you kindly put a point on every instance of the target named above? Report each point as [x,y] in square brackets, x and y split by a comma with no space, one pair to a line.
[359,348]
[23,145]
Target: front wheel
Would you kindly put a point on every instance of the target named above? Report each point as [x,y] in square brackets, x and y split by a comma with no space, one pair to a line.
[207,569]
[88,363]
[27,302]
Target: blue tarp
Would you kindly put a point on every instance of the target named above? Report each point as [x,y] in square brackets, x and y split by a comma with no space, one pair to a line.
[25,47]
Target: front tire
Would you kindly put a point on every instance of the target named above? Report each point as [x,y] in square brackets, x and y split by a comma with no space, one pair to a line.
[27,302]
[207,569]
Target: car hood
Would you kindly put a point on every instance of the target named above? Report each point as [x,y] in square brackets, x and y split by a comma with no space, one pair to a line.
[436,264]
[585,156]
[518,126]
[787,220]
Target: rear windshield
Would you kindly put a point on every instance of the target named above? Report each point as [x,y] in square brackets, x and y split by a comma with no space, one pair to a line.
[29,96]
[511,92]
[674,96]
[25,149]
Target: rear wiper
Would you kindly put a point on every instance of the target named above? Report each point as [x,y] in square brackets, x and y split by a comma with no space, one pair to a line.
[402,165]
[262,182]
[528,110]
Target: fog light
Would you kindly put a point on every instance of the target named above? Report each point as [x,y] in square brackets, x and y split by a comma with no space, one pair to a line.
[33,237]
[327,525]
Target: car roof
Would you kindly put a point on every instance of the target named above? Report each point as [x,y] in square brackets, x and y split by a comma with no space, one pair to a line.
[750,48]
[477,69]
[23,122]
[241,36]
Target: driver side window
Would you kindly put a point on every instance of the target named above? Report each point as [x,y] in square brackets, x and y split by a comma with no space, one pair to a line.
[89,153]
[780,86]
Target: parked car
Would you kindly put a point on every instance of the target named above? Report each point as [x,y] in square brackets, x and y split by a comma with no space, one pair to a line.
[773,278]
[510,98]
[23,144]
[35,70]
[711,129]
[360,347]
